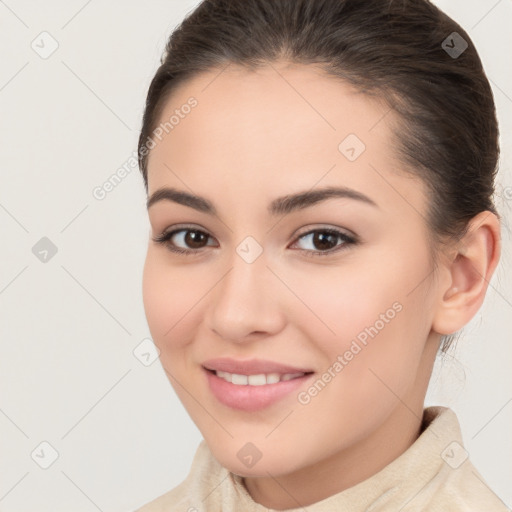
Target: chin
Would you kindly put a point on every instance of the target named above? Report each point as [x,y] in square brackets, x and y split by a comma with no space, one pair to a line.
[274,465]
[258,470]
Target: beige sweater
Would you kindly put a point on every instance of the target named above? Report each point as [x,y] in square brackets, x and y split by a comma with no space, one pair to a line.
[433,475]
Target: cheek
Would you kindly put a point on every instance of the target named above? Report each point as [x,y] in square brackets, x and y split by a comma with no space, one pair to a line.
[363,291]
[169,297]
[344,301]
[369,326]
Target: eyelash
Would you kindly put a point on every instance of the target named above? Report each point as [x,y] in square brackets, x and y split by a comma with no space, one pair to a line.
[347,240]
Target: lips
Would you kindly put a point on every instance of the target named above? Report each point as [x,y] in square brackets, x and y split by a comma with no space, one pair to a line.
[252,385]
[252,367]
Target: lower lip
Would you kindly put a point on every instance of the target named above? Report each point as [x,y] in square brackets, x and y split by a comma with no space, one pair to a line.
[251,398]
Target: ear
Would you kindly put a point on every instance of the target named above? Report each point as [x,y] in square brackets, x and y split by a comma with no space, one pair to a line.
[467,274]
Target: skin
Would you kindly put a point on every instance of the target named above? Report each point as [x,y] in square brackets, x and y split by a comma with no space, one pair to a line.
[255,136]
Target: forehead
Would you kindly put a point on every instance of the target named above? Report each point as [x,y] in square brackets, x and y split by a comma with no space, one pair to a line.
[297,103]
[282,124]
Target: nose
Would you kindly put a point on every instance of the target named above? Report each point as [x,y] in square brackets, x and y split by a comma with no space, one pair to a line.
[245,304]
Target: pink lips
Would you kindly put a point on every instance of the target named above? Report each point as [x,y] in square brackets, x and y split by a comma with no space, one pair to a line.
[251,367]
[246,397]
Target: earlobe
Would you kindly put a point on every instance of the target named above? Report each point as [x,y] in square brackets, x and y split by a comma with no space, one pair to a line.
[468,274]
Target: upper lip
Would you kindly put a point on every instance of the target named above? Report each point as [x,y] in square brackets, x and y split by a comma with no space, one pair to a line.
[251,366]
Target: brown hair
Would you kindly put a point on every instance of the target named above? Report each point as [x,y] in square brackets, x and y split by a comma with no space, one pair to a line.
[397,50]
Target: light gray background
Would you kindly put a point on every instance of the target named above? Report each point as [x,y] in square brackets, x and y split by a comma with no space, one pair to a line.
[68,327]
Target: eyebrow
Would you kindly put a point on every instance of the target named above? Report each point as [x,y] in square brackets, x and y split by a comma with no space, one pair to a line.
[280,206]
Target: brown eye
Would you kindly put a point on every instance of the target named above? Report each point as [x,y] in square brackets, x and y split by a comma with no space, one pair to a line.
[195,239]
[185,240]
[324,241]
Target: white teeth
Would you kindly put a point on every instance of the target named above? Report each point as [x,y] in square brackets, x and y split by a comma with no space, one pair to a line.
[273,378]
[240,380]
[224,375]
[256,380]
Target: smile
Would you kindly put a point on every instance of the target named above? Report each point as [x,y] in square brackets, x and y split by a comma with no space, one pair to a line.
[252,385]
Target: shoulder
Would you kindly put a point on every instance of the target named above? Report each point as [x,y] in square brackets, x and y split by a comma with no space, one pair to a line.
[453,483]
[187,496]
[461,490]
[464,489]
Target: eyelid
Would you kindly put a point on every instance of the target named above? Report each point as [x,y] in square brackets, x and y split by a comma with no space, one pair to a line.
[182,227]
[325,227]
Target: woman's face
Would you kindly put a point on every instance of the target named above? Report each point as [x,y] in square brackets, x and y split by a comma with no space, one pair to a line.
[332,289]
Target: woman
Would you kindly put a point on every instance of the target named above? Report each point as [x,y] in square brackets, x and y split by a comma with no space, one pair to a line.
[319,177]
